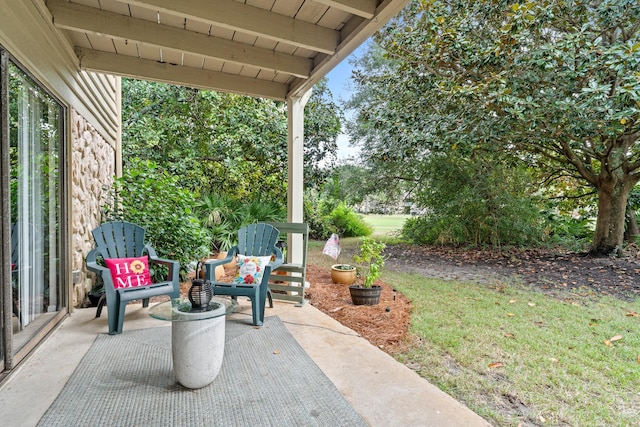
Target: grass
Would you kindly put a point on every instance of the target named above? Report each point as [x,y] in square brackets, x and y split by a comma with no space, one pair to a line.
[555,367]
[516,356]
[385,225]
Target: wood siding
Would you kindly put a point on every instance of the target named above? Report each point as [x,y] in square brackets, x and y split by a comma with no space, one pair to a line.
[27,32]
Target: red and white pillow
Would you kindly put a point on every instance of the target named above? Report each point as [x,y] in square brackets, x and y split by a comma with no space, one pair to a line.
[129,272]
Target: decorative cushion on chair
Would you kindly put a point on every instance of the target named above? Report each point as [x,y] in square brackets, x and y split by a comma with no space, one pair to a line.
[129,272]
[250,268]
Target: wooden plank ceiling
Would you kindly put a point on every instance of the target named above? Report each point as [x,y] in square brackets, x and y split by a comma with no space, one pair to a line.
[263,48]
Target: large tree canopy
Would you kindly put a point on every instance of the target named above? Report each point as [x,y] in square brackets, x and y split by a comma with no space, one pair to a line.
[222,142]
[555,82]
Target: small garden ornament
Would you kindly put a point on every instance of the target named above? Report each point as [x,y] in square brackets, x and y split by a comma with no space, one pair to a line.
[340,273]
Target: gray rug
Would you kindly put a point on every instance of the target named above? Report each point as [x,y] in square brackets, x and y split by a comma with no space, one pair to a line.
[266,379]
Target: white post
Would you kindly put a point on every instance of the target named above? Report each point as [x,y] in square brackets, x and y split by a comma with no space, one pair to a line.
[295,176]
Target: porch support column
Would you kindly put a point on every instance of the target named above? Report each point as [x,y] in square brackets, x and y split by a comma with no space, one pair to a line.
[295,175]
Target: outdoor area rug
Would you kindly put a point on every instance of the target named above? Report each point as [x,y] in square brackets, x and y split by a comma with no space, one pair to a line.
[266,379]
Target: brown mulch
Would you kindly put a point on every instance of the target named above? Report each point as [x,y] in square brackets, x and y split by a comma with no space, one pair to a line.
[384,325]
[558,273]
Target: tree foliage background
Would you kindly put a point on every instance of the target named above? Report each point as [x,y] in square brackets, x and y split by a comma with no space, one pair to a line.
[225,143]
[552,84]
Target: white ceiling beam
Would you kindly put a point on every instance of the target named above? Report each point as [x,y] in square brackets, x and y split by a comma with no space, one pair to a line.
[147,69]
[76,17]
[237,16]
[363,8]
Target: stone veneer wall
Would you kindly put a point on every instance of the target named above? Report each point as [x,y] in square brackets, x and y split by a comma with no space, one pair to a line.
[92,170]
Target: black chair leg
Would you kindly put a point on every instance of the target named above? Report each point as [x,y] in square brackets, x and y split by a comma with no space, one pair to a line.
[101,302]
[270,298]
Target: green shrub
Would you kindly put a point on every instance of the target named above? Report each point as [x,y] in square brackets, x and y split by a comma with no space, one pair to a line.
[573,233]
[151,198]
[223,216]
[347,223]
[478,202]
[313,216]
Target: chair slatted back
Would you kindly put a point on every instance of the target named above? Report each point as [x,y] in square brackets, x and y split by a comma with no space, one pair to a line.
[257,239]
[119,239]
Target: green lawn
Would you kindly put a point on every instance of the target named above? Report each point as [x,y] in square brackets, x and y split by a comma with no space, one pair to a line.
[515,356]
[385,225]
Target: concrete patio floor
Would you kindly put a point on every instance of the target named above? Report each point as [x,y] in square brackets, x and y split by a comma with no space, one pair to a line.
[383,391]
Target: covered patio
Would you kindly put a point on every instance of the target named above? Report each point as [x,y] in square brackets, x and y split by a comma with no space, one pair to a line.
[73,53]
[382,391]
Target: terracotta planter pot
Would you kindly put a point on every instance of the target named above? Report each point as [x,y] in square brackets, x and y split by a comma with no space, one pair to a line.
[219,273]
[343,276]
[229,265]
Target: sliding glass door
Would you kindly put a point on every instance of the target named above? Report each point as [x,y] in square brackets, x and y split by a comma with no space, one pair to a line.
[32,155]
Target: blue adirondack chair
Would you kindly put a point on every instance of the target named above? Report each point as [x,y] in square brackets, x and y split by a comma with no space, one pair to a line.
[257,240]
[119,239]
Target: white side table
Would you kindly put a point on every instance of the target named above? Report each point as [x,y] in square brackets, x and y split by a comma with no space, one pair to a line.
[197,338]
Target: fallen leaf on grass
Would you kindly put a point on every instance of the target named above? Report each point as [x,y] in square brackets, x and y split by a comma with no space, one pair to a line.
[512,301]
[508,335]
[611,340]
[632,314]
[496,365]
[531,304]
[639,359]
[553,359]
[510,314]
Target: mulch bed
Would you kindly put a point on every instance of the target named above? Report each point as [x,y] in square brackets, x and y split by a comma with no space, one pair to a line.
[559,273]
[384,325]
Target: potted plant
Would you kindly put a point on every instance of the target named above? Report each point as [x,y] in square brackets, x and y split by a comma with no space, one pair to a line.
[344,274]
[370,262]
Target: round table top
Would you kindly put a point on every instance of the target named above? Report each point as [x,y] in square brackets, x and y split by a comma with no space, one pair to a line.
[178,310]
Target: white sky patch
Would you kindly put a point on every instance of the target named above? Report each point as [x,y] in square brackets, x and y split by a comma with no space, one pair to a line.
[339,82]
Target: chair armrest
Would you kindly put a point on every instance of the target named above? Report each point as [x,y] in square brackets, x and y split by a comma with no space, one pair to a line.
[154,257]
[174,266]
[277,262]
[92,262]
[103,272]
[210,265]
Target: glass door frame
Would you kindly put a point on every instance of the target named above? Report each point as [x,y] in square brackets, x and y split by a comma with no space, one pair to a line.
[9,358]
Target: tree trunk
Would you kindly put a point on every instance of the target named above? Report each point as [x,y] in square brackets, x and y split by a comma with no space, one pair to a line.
[631,231]
[612,205]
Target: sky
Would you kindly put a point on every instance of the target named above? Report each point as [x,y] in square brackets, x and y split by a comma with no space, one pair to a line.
[339,82]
